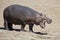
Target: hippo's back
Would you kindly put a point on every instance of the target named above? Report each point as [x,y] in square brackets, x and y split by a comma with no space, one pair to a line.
[19,13]
[19,10]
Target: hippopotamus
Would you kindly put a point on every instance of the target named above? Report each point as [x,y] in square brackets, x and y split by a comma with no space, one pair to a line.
[22,15]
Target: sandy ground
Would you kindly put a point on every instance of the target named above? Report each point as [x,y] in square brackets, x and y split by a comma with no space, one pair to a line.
[49,7]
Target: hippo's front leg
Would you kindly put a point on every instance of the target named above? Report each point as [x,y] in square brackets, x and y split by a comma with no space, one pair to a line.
[31,27]
[22,27]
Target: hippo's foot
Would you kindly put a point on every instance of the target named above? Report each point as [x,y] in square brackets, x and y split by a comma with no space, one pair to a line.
[11,29]
[30,31]
[7,28]
[22,30]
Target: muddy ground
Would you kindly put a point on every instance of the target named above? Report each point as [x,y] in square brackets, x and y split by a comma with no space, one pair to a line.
[49,7]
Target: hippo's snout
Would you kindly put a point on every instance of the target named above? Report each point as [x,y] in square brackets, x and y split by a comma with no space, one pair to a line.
[49,21]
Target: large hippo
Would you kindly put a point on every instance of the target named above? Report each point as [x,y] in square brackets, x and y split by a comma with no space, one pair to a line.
[22,15]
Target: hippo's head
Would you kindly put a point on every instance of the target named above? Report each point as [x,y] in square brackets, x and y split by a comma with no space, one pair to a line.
[44,20]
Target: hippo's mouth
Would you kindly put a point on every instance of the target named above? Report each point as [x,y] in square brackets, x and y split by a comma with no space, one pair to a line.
[42,24]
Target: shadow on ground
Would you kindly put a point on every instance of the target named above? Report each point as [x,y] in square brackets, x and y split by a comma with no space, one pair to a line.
[9,30]
[25,31]
[2,28]
[40,33]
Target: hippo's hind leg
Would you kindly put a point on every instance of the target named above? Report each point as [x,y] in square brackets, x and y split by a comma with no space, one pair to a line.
[7,25]
[10,26]
[31,27]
